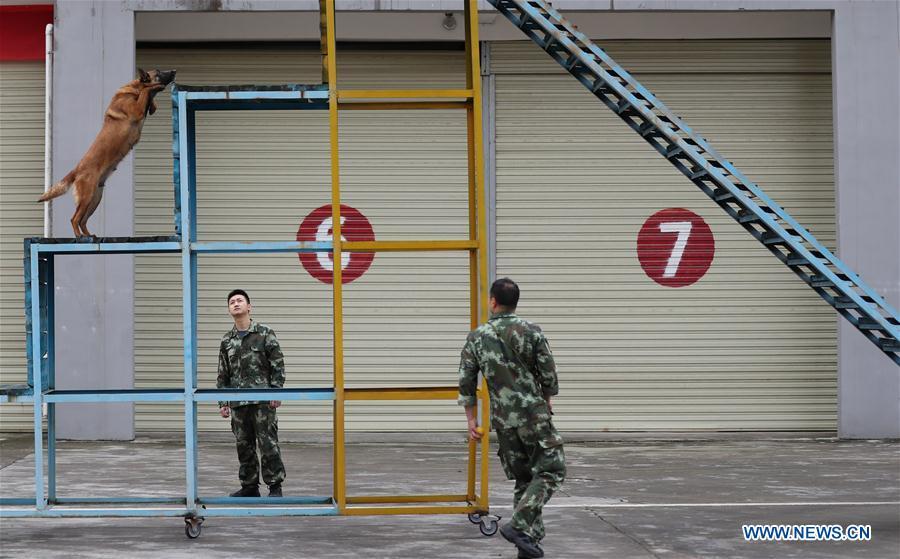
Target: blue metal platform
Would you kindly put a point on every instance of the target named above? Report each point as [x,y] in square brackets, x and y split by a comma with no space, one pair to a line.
[40,390]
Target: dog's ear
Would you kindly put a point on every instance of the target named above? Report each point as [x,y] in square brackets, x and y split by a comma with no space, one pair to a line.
[145,77]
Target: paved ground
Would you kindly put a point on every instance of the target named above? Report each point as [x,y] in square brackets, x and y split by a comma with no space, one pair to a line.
[637,498]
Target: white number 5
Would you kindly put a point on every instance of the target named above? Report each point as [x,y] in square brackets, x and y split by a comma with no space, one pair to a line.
[683,228]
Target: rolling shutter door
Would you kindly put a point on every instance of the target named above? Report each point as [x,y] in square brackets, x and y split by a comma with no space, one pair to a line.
[21,182]
[748,346]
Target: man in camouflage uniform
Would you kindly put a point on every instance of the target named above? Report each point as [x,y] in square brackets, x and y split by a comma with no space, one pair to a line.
[515,359]
[250,357]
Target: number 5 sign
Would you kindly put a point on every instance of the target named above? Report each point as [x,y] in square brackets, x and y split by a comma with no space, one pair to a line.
[675,247]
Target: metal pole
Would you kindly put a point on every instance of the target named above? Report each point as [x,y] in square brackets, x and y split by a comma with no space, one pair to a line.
[339,482]
[188,286]
[36,354]
[48,122]
[51,378]
[476,158]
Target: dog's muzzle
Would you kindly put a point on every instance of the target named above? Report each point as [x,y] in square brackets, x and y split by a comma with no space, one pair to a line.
[166,77]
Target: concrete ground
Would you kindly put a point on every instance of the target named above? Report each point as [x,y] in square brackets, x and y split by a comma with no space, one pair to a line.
[624,498]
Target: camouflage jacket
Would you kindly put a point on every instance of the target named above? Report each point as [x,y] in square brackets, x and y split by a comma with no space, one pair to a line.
[515,358]
[254,361]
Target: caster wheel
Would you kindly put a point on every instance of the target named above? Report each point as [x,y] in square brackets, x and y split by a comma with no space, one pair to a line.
[192,527]
[489,527]
[474,518]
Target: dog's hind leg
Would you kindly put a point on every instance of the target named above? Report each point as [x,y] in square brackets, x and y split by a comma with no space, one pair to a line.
[83,194]
[91,208]
[81,207]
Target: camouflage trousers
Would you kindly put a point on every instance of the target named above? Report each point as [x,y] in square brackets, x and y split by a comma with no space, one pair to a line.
[254,424]
[533,456]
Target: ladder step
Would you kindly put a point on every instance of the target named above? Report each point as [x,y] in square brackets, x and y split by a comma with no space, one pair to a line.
[696,174]
[845,303]
[819,280]
[648,129]
[673,151]
[865,323]
[720,195]
[772,239]
[553,45]
[889,344]
[795,259]
[625,107]
[600,87]
[747,217]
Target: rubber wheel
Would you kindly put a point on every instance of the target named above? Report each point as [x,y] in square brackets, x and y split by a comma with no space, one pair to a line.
[474,518]
[192,529]
[489,528]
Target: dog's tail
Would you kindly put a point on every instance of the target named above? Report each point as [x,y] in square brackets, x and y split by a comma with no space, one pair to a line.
[59,188]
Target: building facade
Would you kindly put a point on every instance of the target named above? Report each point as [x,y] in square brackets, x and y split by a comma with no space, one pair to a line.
[802,96]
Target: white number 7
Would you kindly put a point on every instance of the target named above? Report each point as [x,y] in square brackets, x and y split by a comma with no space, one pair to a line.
[683,228]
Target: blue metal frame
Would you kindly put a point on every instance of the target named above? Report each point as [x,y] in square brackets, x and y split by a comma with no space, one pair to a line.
[63,512]
[39,309]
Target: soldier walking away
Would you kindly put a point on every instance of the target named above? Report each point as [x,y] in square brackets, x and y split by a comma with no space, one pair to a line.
[250,357]
[515,359]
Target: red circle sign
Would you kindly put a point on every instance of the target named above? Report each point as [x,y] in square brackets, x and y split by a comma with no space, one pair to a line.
[317,227]
[675,247]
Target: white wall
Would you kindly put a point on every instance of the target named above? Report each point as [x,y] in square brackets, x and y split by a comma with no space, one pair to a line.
[866,61]
[94,42]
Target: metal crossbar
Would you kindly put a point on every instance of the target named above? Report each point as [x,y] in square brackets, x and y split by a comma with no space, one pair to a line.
[717,177]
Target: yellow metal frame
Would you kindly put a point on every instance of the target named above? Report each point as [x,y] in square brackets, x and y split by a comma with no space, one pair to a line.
[476,245]
[417,94]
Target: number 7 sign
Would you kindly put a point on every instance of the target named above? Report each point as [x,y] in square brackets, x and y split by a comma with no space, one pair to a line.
[675,247]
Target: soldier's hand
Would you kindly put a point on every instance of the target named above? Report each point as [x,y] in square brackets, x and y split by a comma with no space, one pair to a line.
[225,412]
[475,432]
[275,403]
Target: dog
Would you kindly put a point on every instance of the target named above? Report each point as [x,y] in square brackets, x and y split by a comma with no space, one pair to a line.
[122,125]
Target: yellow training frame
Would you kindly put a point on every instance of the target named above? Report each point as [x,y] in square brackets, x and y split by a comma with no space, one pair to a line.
[476,245]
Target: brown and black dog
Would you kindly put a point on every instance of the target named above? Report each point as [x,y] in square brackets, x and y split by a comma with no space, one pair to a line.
[122,125]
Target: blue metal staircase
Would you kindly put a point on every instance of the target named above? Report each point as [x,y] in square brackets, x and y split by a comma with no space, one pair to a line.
[743,200]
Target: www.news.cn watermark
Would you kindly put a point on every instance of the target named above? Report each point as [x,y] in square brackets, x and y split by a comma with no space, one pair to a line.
[807,532]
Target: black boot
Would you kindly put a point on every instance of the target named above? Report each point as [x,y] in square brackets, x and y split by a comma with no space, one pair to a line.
[275,490]
[522,554]
[247,491]
[528,548]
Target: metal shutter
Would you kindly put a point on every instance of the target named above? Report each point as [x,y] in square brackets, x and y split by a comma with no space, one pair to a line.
[21,182]
[259,174]
[749,346]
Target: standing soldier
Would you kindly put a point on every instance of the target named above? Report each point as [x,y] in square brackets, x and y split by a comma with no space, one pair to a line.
[515,359]
[250,357]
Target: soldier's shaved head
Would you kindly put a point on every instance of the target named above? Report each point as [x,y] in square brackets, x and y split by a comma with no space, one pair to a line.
[506,293]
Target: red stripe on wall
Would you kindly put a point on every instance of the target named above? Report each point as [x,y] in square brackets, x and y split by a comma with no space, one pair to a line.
[22,31]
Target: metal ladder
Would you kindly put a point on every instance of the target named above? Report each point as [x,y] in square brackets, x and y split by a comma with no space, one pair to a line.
[743,200]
